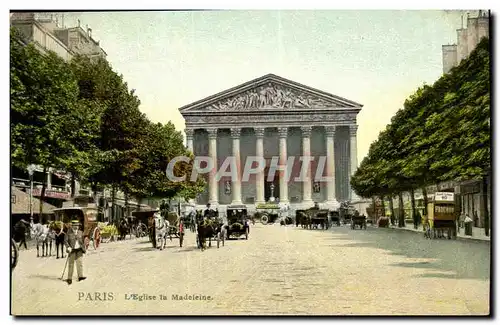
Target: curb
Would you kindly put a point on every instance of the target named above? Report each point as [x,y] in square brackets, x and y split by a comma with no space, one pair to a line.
[458,237]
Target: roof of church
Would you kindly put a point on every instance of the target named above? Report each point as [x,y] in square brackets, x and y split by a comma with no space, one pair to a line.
[290,93]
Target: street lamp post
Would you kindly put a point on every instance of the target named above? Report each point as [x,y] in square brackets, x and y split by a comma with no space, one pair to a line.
[271,187]
[31,170]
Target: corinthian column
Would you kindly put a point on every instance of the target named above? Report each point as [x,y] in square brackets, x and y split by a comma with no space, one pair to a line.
[189,139]
[354,156]
[330,164]
[235,135]
[306,154]
[213,186]
[283,133]
[259,178]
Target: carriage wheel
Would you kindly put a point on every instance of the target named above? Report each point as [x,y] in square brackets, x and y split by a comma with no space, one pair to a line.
[142,230]
[86,242]
[14,254]
[264,219]
[246,233]
[97,238]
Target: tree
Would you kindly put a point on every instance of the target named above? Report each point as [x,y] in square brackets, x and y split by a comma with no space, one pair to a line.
[443,133]
[43,94]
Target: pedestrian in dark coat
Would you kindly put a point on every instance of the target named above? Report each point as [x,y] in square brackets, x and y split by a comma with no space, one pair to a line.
[75,247]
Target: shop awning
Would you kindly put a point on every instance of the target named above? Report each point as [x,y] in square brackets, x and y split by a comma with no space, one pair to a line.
[20,203]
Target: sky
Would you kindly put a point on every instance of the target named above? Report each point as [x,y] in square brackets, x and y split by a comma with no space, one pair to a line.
[373,57]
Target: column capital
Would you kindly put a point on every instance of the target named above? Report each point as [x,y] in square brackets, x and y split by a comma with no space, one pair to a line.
[212,133]
[235,133]
[353,128]
[330,130]
[283,132]
[189,132]
[259,132]
[306,131]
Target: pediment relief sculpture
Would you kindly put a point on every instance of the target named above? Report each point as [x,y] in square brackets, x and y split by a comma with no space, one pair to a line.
[272,96]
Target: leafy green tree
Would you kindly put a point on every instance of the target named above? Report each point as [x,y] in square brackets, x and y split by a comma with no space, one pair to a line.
[443,133]
[43,94]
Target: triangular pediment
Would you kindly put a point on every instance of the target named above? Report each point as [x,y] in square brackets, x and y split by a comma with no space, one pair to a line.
[269,92]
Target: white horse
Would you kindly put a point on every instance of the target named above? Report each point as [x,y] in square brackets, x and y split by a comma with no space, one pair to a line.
[42,235]
[161,229]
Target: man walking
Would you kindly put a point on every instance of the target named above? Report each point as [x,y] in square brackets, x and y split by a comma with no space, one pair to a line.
[75,247]
[20,232]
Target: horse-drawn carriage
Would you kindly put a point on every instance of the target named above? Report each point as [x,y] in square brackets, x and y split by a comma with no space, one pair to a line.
[87,216]
[147,225]
[346,212]
[175,226]
[210,226]
[357,220]
[335,218]
[188,220]
[312,218]
[141,222]
[441,216]
[188,216]
[237,221]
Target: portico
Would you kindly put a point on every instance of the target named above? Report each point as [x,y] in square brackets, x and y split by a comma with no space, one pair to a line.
[311,132]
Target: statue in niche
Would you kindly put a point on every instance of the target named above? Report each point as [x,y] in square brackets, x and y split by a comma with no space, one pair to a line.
[227,187]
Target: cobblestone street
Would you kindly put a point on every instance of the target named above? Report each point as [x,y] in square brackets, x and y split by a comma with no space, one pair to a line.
[279,270]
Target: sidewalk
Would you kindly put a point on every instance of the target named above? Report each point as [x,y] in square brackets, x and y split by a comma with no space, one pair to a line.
[477,233]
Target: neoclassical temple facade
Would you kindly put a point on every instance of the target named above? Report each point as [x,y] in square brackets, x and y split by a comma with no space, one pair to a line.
[275,117]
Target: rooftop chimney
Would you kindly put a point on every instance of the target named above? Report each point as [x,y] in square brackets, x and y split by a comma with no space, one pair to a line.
[78,22]
[89,31]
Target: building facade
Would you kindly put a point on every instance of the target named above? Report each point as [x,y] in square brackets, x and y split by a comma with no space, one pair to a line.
[48,33]
[275,117]
[467,40]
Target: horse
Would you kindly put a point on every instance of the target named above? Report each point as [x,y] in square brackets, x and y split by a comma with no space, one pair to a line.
[42,235]
[208,228]
[59,230]
[161,228]
[192,220]
[123,229]
[303,219]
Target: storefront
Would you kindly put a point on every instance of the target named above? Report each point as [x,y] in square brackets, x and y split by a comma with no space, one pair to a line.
[471,201]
